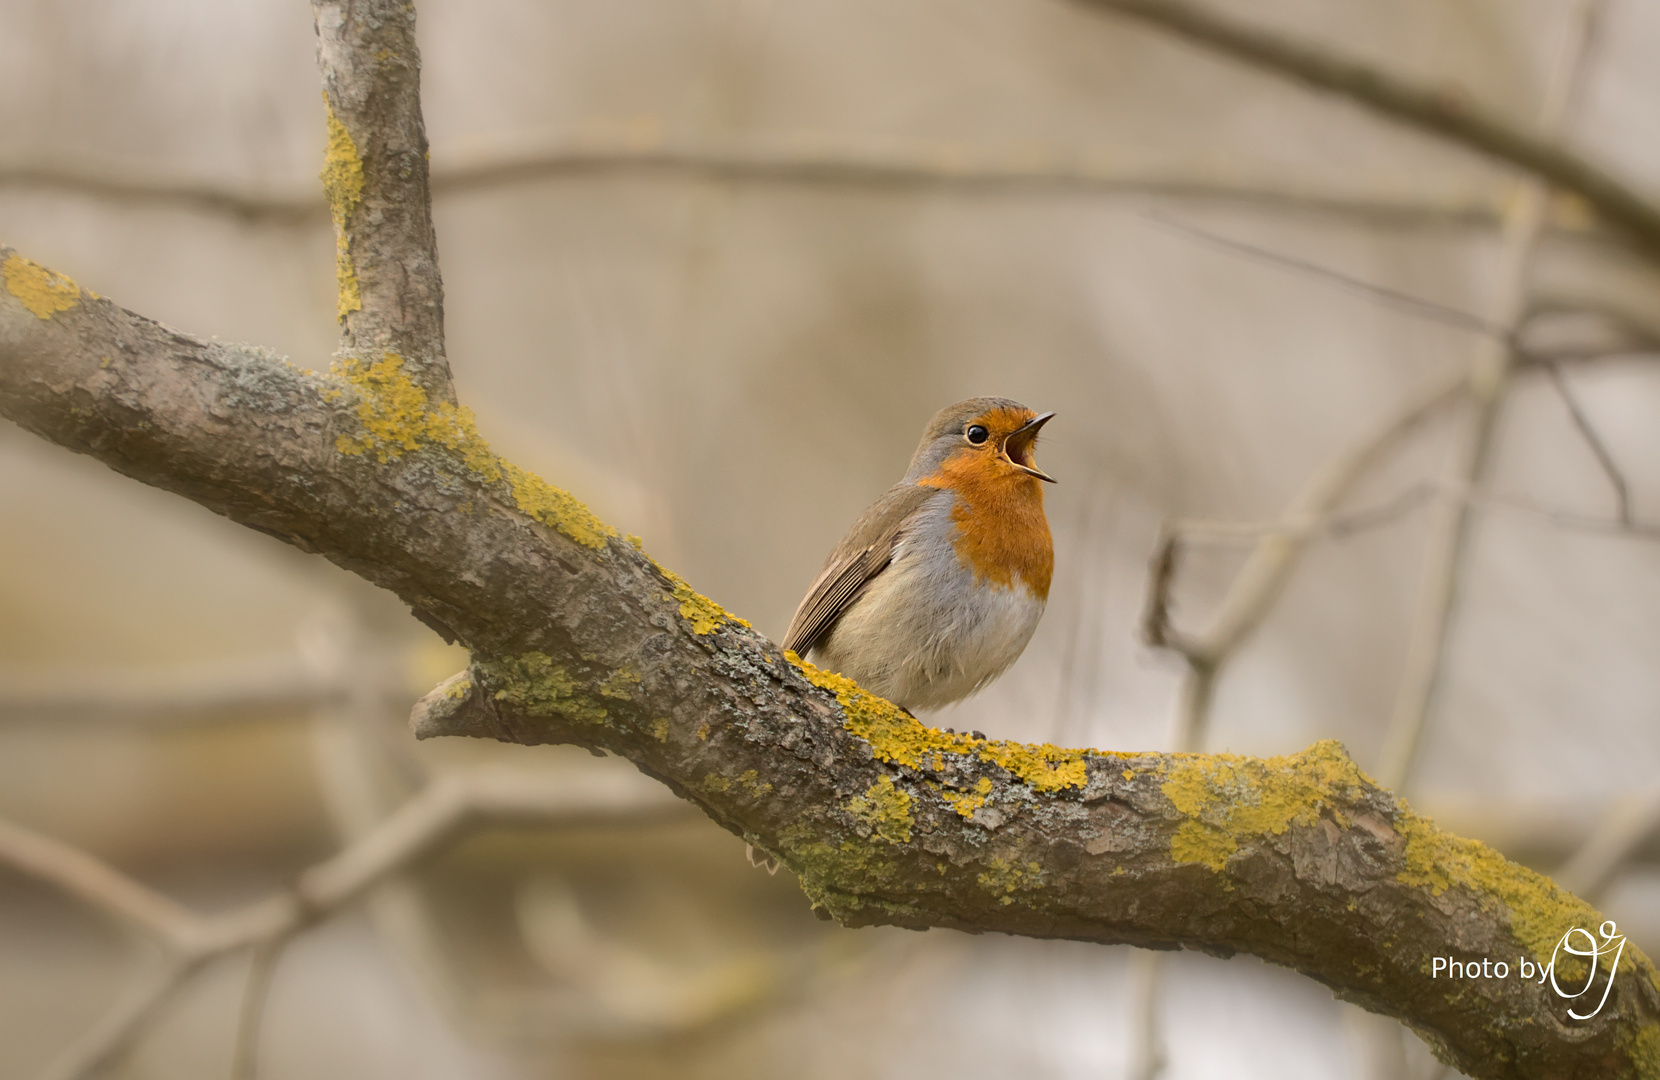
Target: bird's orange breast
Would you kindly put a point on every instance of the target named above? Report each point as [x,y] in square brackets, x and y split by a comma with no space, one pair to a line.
[1002,533]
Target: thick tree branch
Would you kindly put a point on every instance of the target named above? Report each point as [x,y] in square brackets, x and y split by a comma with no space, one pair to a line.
[579,637]
[1441,110]
[391,299]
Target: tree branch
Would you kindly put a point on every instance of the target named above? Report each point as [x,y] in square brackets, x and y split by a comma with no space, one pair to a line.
[1441,110]
[579,637]
[391,299]
[971,169]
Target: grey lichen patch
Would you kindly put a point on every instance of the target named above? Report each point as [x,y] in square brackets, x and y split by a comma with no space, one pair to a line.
[261,379]
[531,683]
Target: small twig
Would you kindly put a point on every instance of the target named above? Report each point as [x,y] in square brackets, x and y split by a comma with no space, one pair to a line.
[1587,431]
[1394,298]
[1441,110]
[1147,1053]
[98,885]
[969,169]
[106,1041]
[1466,466]
[237,690]
[256,992]
[190,940]
[1622,829]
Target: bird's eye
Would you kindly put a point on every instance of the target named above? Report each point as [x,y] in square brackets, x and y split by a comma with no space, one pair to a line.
[977,434]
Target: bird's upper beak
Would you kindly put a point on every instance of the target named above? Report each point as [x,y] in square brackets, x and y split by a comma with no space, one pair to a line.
[1017,448]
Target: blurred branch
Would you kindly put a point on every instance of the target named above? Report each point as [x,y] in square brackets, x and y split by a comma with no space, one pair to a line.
[1599,449]
[190,940]
[1624,827]
[957,168]
[1466,466]
[105,1042]
[1441,110]
[245,689]
[262,965]
[1260,581]
[1394,298]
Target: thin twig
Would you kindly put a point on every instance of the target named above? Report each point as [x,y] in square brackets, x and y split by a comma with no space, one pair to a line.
[1441,110]
[256,992]
[1588,431]
[190,940]
[1489,376]
[1618,834]
[967,169]
[237,690]
[114,1034]
[98,885]
[1394,298]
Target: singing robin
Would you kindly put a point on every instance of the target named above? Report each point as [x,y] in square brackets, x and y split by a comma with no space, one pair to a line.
[938,587]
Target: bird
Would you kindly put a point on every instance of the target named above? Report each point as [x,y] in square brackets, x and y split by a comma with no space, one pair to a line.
[939,585]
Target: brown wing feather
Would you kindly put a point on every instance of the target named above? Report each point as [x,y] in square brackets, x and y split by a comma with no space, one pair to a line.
[863,553]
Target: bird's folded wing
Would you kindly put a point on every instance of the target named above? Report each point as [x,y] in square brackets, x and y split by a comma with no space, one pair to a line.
[865,552]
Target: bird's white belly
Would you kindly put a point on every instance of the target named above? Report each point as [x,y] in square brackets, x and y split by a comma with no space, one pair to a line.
[926,632]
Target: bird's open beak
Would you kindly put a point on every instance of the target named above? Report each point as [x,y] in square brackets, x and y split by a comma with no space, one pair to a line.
[1017,448]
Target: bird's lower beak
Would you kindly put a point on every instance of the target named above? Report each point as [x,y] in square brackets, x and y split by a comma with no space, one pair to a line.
[1017,448]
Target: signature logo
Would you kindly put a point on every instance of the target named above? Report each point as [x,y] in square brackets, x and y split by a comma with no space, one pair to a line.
[1592,951]
[1578,942]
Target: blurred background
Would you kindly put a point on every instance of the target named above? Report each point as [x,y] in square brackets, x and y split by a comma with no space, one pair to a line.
[712,264]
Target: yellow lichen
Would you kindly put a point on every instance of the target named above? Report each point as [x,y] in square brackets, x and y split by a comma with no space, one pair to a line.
[966,802]
[43,292]
[556,507]
[1540,912]
[617,685]
[397,417]
[1004,877]
[660,729]
[342,178]
[885,810]
[533,684]
[749,781]
[900,738]
[703,613]
[1229,799]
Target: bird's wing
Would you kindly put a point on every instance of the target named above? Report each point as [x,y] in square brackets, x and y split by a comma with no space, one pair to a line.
[866,552]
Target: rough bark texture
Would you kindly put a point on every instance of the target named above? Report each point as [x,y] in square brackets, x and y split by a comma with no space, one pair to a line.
[375,177]
[579,637]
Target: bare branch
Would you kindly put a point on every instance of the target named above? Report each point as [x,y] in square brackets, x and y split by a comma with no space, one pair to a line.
[391,299]
[256,991]
[966,169]
[1466,466]
[1441,110]
[97,884]
[243,690]
[1394,298]
[106,1042]
[1588,431]
[1627,824]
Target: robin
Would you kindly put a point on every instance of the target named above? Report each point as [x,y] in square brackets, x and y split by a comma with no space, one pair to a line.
[938,587]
